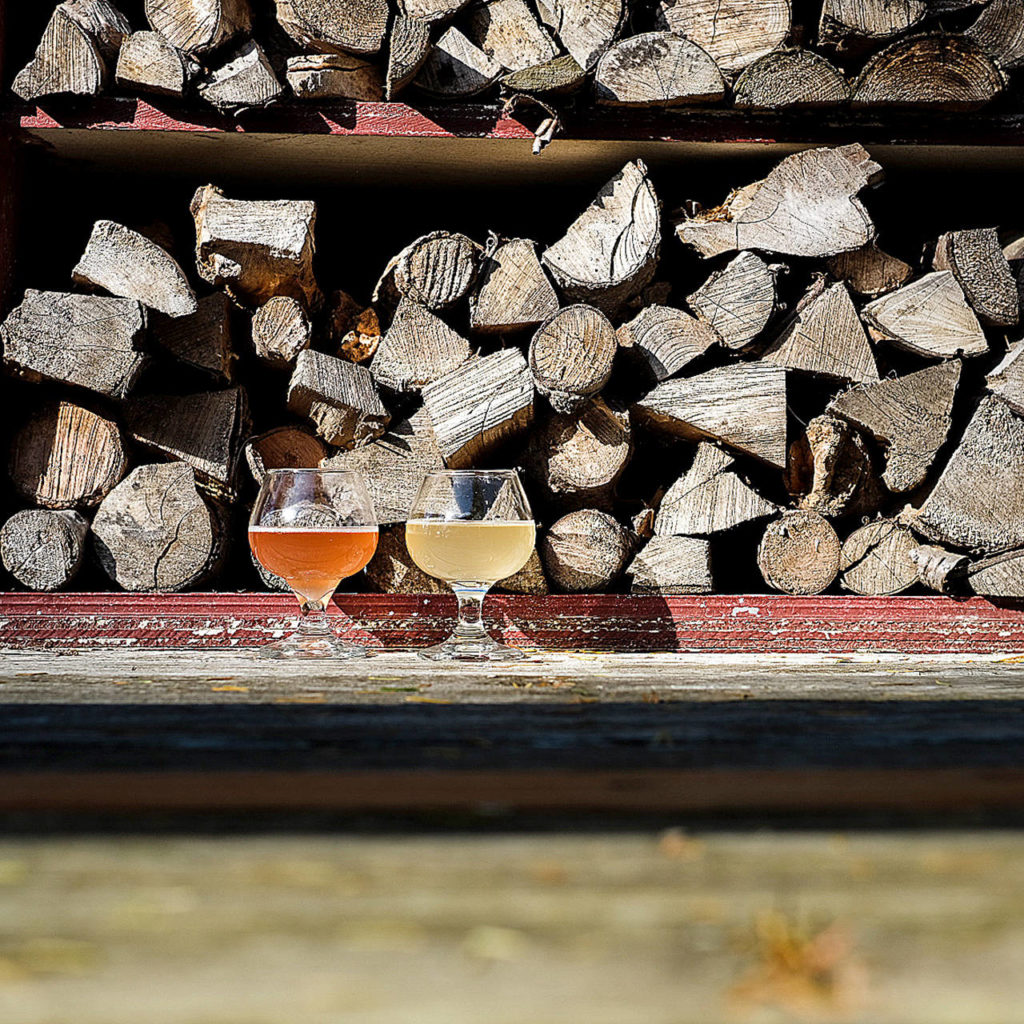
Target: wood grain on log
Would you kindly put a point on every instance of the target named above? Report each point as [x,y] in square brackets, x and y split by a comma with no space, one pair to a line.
[790,80]
[247,79]
[999,31]
[417,349]
[202,340]
[199,26]
[982,271]
[514,291]
[938,569]
[1006,381]
[829,470]
[869,271]
[408,48]
[585,550]
[666,339]
[438,269]
[671,565]
[561,75]
[280,331]
[430,11]
[998,576]
[355,26]
[877,559]
[283,448]
[456,69]
[335,76]
[149,63]
[799,553]
[66,456]
[868,19]
[508,32]
[43,549]
[571,356]
[586,28]
[738,300]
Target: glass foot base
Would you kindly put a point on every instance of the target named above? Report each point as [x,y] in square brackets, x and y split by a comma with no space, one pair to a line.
[297,648]
[482,649]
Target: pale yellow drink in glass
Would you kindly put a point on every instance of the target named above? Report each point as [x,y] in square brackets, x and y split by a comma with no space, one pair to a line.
[470,551]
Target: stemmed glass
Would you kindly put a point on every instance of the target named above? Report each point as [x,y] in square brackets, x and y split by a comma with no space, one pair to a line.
[313,528]
[471,528]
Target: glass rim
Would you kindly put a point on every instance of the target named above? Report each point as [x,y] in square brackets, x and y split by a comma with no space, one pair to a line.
[471,472]
[312,469]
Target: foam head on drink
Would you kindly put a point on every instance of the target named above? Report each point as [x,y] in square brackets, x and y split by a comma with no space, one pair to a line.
[470,551]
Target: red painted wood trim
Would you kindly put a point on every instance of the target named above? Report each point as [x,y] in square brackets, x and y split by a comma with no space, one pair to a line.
[727,623]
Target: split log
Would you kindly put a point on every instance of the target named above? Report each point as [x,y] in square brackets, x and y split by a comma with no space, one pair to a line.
[418,348]
[148,63]
[998,576]
[734,32]
[514,291]
[438,269]
[709,498]
[73,57]
[665,339]
[91,341]
[929,316]
[999,31]
[529,580]
[129,265]
[558,76]
[586,28]
[806,206]
[334,76]
[354,328]
[256,249]
[66,456]
[154,531]
[825,338]
[671,565]
[1006,381]
[247,79]
[508,32]
[394,465]
[431,11]
[478,406]
[456,69]
[799,553]
[742,405]
[738,300]
[585,550]
[790,80]
[876,559]
[205,430]
[978,501]
[938,569]
[843,20]
[202,340]
[283,448]
[199,26]
[43,549]
[571,356]
[869,271]
[338,398]
[941,72]
[280,331]
[577,460]
[909,415]
[976,259]
[610,252]
[408,49]
[657,69]
[392,570]
[355,26]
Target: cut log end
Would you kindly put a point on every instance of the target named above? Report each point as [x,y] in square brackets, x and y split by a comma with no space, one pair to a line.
[586,550]
[43,549]
[799,553]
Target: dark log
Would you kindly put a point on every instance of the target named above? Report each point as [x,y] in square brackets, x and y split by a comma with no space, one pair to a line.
[283,448]
[939,569]
[876,559]
[799,553]
[514,291]
[869,271]
[585,550]
[408,48]
[1006,381]
[846,20]
[738,300]
[999,31]
[202,340]
[977,261]
[392,570]
[199,26]
[586,28]
[456,69]
[354,328]
[561,75]
[508,32]
[355,26]
[280,331]
[148,63]
[571,356]
[671,565]
[790,80]
[43,549]
[437,270]
[335,76]
[418,349]
[247,79]
[665,339]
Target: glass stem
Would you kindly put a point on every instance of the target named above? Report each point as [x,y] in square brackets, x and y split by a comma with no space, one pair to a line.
[313,622]
[471,603]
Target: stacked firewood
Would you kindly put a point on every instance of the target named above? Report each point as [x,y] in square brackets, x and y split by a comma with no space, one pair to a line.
[945,55]
[804,405]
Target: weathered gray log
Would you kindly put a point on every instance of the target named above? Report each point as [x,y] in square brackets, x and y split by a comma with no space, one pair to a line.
[665,339]
[558,76]
[417,349]
[672,565]
[283,448]
[204,430]
[154,531]
[256,249]
[147,62]
[129,265]
[869,271]
[998,576]
[799,553]
[929,316]
[938,569]
[940,72]
[742,405]
[43,549]
[280,331]
[586,28]
[202,340]
[199,26]
[408,48]
[1006,381]
[806,206]
[877,559]
[585,550]
[843,20]
[909,415]
[738,300]
[977,261]
[514,291]
[353,327]
[508,32]
[481,404]
[999,31]
[355,26]
[246,79]
[392,570]
[79,44]
[430,11]
[66,456]
[436,270]
[657,69]
[709,498]
[790,80]
[456,69]
[338,397]
[571,356]
[91,341]
[335,76]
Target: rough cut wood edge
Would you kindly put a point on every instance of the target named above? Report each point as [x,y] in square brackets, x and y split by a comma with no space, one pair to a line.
[586,28]
[877,559]
[199,26]
[799,553]
[982,271]
[790,80]
[354,26]
[43,549]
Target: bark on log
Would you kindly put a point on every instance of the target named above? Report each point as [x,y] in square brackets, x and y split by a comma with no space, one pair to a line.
[408,48]
[657,69]
[586,28]
[909,415]
[66,456]
[610,252]
[256,249]
[43,549]
[338,397]
[790,80]
[709,498]
[199,26]
[418,349]
[478,406]
[392,570]
[202,340]
[354,328]
[869,271]
[976,259]
[799,553]
[842,20]
[456,69]
[571,356]
[558,76]
[940,570]
[335,76]
[148,63]
[585,550]
[154,531]
[91,341]
[355,26]
[738,300]
[280,331]
[877,561]
[508,32]
[438,269]
[665,339]
[514,291]
[998,576]
[999,31]
[806,206]
[1006,381]
[743,406]
[671,565]
[283,448]
[247,79]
